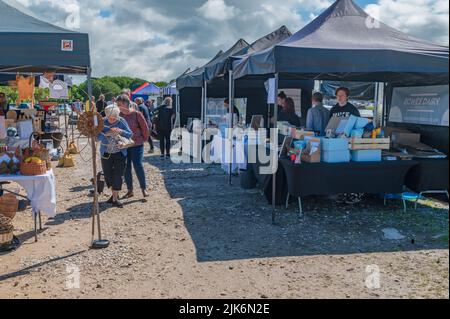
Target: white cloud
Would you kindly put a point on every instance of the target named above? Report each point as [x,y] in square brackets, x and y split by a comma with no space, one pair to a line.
[158,40]
[426,19]
[315,4]
[217,10]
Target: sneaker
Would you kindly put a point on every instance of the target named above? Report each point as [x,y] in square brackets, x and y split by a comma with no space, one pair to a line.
[145,193]
[163,156]
[117,204]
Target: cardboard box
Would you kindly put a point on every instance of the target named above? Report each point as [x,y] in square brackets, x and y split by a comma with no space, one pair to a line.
[301,134]
[10,123]
[403,138]
[389,130]
[312,153]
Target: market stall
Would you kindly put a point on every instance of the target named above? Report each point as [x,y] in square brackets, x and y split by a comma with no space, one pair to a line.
[31,47]
[370,52]
[193,88]
[147,91]
[248,96]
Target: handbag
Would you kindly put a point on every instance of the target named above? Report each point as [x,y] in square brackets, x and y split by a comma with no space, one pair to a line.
[124,143]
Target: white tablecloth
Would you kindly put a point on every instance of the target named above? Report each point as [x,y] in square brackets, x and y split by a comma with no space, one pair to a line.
[41,191]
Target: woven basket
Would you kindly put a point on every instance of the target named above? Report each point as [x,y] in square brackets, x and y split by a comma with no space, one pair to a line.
[6,230]
[6,238]
[9,205]
[33,169]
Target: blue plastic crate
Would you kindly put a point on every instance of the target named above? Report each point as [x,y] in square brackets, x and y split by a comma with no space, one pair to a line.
[366,156]
[335,144]
[336,156]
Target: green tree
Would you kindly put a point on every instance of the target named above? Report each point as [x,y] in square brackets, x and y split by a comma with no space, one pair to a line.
[135,84]
[161,84]
[11,94]
[110,86]
[100,86]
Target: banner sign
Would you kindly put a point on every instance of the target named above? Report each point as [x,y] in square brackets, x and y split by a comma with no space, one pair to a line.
[427,105]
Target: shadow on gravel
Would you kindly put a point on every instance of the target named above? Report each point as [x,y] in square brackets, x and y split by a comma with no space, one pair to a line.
[28,270]
[229,223]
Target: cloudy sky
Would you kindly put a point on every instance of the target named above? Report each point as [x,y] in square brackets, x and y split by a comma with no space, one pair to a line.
[159,39]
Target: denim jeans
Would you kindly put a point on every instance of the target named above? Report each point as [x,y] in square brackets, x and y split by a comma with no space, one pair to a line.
[135,159]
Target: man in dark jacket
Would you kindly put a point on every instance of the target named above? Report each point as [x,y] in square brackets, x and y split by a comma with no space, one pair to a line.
[101,105]
[318,116]
[164,117]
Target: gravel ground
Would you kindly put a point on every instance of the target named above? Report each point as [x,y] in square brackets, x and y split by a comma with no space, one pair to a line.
[198,237]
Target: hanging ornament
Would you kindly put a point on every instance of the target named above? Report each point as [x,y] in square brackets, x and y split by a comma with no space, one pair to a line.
[90,125]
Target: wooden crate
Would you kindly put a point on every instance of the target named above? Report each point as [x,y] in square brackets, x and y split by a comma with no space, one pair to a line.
[370,144]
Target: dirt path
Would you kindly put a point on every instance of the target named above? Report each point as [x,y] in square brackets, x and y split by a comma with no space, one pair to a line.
[197,237]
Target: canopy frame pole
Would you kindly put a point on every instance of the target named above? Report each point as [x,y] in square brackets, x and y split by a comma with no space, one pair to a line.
[95,208]
[205,101]
[386,91]
[177,101]
[376,111]
[275,146]
[66,124]
[202,104]
[381,103]
[230,132]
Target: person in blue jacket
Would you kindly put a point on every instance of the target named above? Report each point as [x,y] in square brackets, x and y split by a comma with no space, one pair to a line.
[114,159]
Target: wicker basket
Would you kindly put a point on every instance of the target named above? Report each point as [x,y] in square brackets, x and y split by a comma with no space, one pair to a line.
[33,169]
[6,230]
[9,205]
[6,238]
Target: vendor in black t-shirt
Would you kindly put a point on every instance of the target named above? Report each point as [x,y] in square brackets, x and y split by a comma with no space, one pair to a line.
[344,108]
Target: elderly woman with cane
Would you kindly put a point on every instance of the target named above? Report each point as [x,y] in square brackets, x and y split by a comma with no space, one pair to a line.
[113,157]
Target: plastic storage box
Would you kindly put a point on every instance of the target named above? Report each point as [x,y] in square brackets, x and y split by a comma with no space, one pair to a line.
[336,156]
[366,156]
[335,144]
[335,150]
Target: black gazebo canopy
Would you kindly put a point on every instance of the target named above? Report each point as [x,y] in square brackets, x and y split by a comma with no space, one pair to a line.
[31,45]
[345,44]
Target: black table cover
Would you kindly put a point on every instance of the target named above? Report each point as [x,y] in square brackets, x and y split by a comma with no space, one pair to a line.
[329,179]
[428,175]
